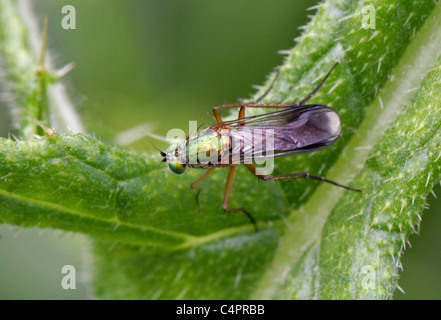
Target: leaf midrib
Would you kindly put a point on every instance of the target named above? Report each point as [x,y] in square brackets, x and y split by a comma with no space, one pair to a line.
[188,241]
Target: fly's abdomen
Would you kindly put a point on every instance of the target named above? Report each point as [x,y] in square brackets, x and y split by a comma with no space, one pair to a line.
[291,131]
[311,130]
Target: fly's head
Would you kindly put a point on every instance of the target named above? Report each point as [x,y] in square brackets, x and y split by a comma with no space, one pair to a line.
[174,159]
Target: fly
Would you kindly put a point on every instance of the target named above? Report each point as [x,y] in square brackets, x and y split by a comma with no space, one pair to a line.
[295,128]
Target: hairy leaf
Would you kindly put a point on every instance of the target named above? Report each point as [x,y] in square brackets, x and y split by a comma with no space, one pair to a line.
[314,240]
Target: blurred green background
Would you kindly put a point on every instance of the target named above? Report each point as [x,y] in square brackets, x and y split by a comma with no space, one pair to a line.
[167,62]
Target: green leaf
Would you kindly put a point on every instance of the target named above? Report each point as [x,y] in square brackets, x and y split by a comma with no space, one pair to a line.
[315,240]
[396,182]
[308,261]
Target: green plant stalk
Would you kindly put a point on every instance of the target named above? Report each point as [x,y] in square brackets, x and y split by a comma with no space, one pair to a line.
[26,74]
[56,109]
[20,69]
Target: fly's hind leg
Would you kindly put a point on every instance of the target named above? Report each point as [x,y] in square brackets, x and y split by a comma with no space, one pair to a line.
[228,188]
[256,103]
[252,168]
[244,105]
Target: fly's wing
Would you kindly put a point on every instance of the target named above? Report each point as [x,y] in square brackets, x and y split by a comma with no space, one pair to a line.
[288,131]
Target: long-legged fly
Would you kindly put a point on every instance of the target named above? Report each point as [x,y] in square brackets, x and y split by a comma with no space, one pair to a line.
[296,128]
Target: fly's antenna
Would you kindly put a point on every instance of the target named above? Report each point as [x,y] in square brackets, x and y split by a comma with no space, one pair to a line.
[162,153]
[309,96]
[160,162]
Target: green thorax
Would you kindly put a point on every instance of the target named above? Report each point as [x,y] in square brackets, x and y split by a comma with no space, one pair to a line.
[206,149]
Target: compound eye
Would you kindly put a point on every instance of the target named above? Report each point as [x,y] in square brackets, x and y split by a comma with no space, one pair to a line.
[176,168]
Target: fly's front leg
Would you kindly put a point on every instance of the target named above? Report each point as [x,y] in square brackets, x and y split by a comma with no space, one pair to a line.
[236,105]
[225,106]
[230,180]
[193,185]
[309,96]
[252,168]
[243,106]
[256,104]
[269,88]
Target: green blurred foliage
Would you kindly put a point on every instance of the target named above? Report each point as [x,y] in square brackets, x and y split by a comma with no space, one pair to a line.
[167,62]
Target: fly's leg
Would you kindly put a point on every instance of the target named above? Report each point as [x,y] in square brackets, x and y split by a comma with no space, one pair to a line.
[318,86]
[257,101]
[228,188]
[193,185]
[247,105]
[270,87]
[216,113]
[252,168]
[244,105]
[256,104]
